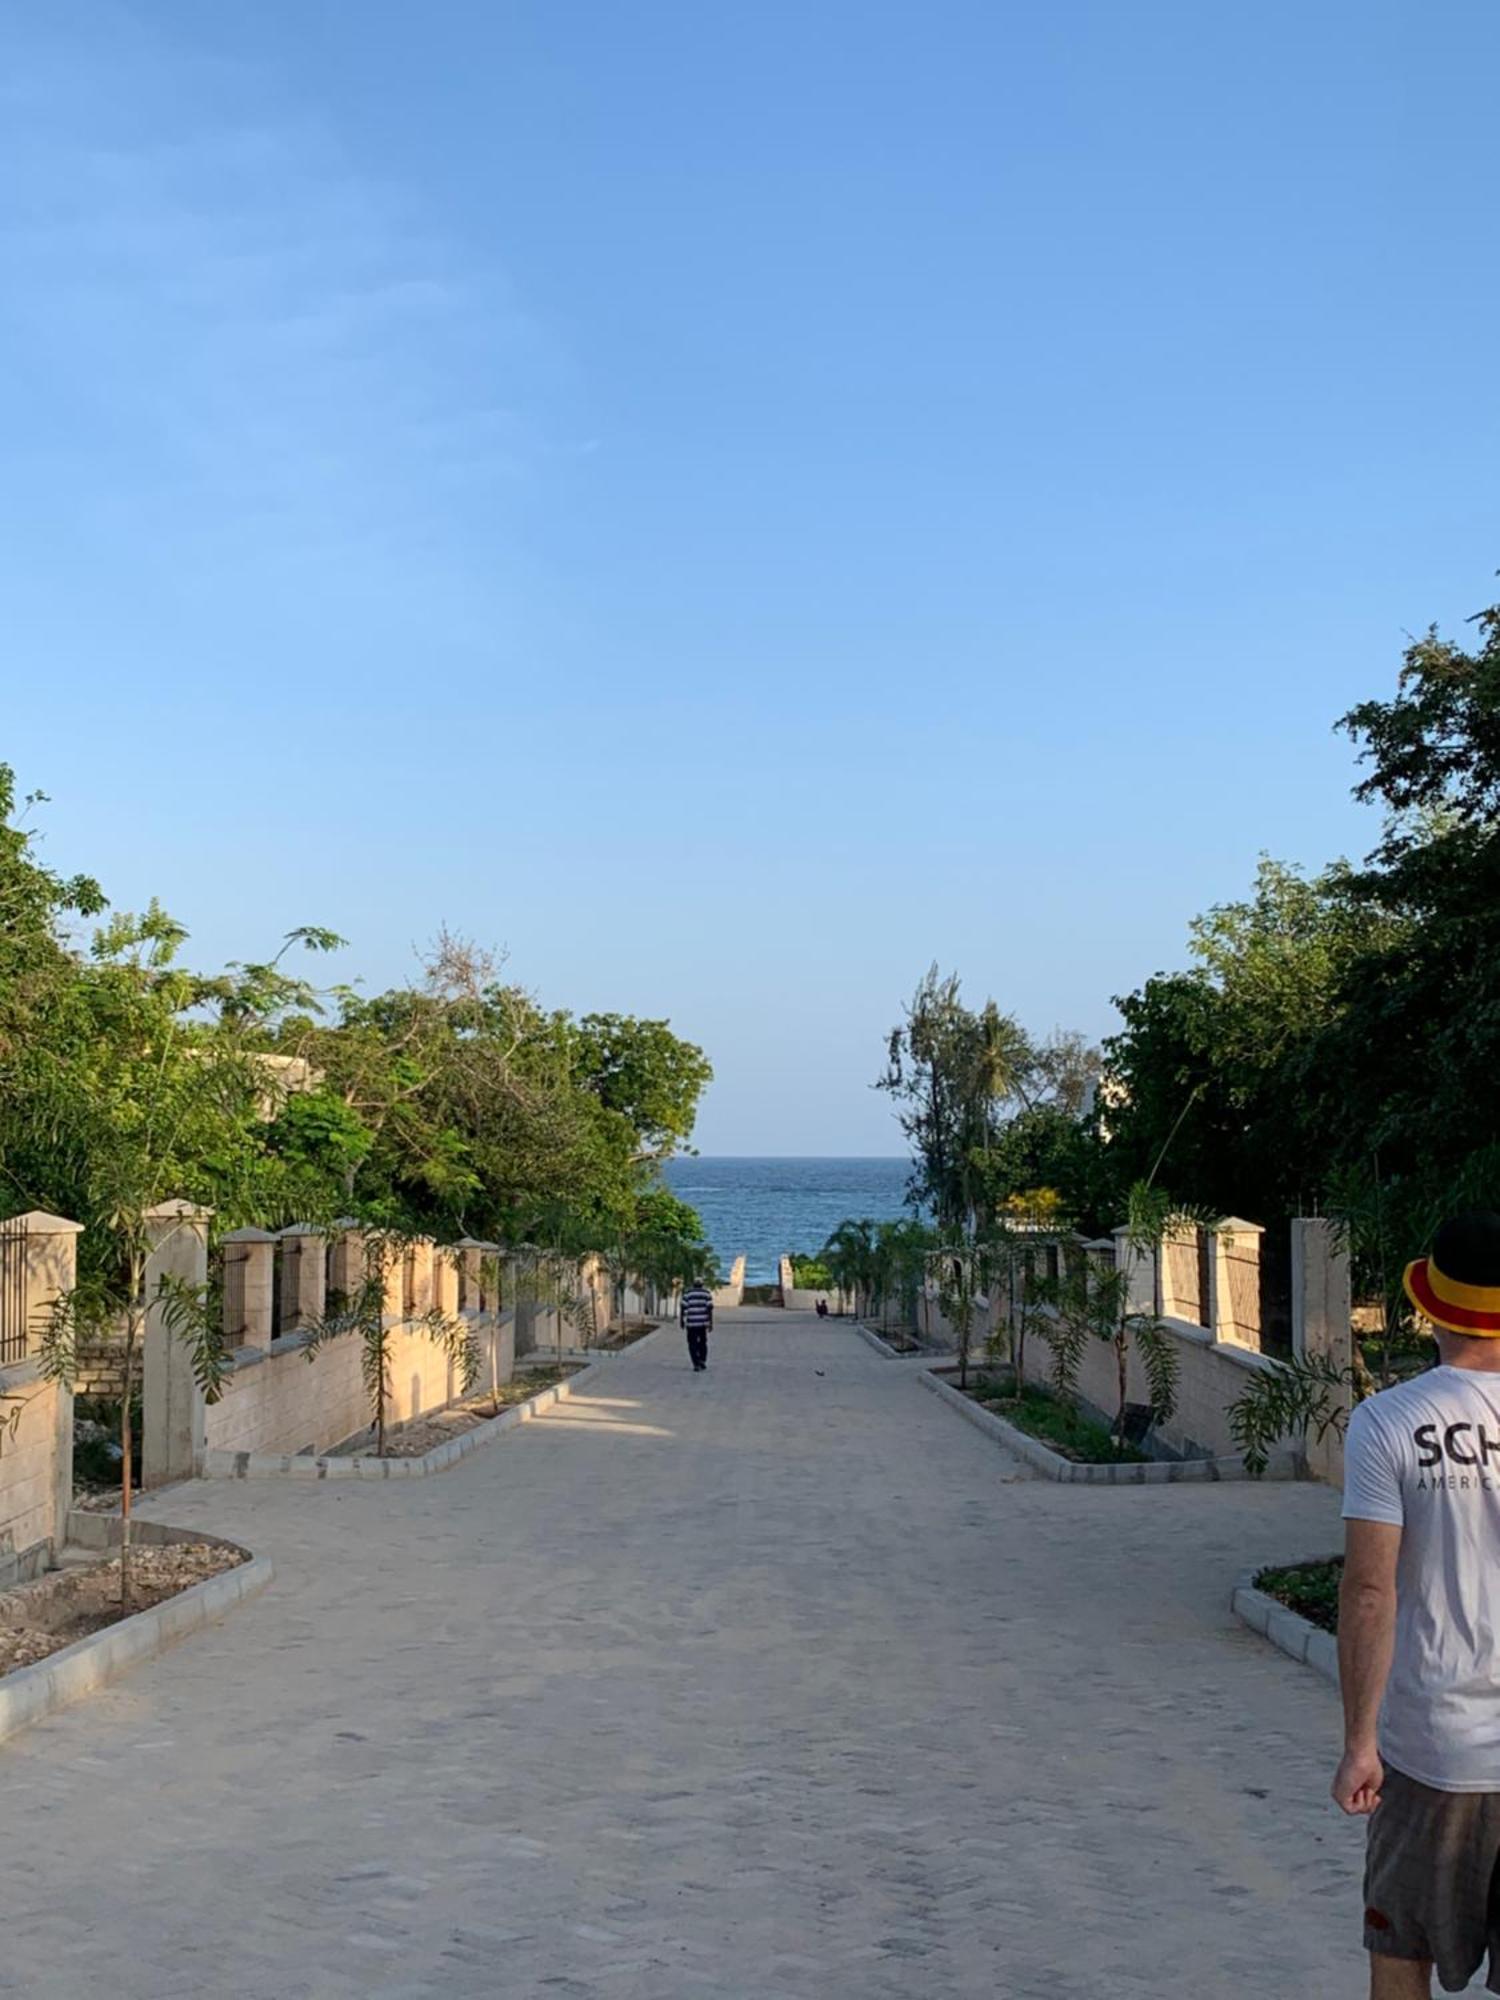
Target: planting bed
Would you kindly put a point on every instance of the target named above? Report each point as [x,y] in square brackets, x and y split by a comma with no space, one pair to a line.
[416,1439]
[41,1618]
[1057,1424]
[1311,1589]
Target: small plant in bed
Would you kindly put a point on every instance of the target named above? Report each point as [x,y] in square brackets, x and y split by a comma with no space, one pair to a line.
[1053,1421]
[1311,1589]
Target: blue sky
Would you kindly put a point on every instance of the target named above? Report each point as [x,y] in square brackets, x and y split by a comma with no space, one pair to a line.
[733,503]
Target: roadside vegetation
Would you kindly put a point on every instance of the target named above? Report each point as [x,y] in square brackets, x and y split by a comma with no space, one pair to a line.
[453,1106]
[1329,1048]
[1311,1589]
[1055,1420]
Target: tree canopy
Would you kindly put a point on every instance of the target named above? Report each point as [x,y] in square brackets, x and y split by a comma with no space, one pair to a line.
[455,1105]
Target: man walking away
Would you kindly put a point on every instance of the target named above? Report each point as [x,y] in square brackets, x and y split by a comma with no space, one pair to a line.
[1419,1633]
[696,1314]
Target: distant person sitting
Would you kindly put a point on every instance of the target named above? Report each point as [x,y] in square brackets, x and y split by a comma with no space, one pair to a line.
[822,1308]
[696,1316]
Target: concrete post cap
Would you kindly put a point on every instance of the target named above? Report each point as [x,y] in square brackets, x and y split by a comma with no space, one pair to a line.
[249,1236]
[37,1222]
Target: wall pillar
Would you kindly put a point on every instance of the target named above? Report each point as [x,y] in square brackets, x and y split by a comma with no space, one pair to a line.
[51,1269]
[346,1263]
[172,1425]
[1234,1281]
[489,1275]
[249,1287]
[1323,1322]
[1139,1265]
[446,1261]
[468,1252]
[1179,1291]
[304,1276]
[390,1257]
[421,1253]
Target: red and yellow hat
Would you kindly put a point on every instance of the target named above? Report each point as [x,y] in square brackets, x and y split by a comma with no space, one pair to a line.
[1458,1286]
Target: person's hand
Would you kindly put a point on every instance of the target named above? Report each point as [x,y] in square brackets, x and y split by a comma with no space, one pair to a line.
[1357,1781]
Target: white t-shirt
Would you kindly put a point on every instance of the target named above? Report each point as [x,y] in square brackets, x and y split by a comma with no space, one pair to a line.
[1425,1457]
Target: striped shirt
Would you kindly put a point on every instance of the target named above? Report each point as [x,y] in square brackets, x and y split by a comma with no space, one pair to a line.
[697,1309]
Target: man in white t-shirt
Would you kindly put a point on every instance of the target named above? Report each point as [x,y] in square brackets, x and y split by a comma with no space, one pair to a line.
[1419,1633]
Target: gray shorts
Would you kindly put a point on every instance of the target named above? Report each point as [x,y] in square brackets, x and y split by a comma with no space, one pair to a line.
[1432,1879]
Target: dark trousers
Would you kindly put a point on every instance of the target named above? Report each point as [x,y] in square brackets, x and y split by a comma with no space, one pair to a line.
[698,1346]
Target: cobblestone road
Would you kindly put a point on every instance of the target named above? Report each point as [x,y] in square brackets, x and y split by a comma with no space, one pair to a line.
[777,1683]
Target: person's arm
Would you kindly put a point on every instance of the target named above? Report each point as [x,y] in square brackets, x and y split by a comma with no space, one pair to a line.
[1367,1630]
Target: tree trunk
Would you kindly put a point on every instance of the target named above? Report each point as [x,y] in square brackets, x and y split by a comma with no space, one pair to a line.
[1121,1367]
[127,1428]
[380,1400]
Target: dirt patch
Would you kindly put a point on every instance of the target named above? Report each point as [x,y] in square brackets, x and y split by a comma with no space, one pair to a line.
[40,1618]
[424,1434]
[902,1343]
[627,1333]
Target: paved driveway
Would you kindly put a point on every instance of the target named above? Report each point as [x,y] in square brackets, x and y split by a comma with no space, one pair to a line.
[778,1681]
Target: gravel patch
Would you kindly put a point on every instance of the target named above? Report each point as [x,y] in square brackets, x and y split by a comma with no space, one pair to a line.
[416,1439]
[39,1619]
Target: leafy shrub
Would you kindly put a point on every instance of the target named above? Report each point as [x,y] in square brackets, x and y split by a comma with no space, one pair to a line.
[1310,1589]
[811,1274]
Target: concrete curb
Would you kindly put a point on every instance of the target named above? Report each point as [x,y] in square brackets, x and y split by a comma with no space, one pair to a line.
[307,1465]
[88,1664]
[871,1338]
[1287,1630]
[1052,1465]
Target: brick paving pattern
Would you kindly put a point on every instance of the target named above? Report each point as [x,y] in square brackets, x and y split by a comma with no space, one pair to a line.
[775,1683]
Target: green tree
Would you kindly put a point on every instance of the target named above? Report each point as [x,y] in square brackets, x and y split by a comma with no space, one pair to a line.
[1087,1303]
[362,1315]
[1212,1078]
[145,1104]
[951,1070]
[644,1074]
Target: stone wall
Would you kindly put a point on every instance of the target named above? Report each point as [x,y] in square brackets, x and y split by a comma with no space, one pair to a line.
[277,1400]
[804,1298]
[31,1467]
[1214,1361]
[1210,1376]
[38,1260]
[733,1292]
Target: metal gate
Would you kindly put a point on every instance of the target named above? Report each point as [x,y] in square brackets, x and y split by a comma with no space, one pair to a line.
[13,1328]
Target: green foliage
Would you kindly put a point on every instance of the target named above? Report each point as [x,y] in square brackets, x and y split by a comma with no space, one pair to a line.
[320,1137]
[1306,1395]
[1210,1072]
[1092,1302]
[1056,1421]
[812,1274]
[361,1315]
[644,1074]
[1310,1589]
[1334,1045]
[880,1265]
[951,1070]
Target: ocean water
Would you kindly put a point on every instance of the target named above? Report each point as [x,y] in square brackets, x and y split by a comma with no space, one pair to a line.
[763,1207]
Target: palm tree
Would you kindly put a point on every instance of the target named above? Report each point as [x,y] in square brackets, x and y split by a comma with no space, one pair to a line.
[852,1260]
